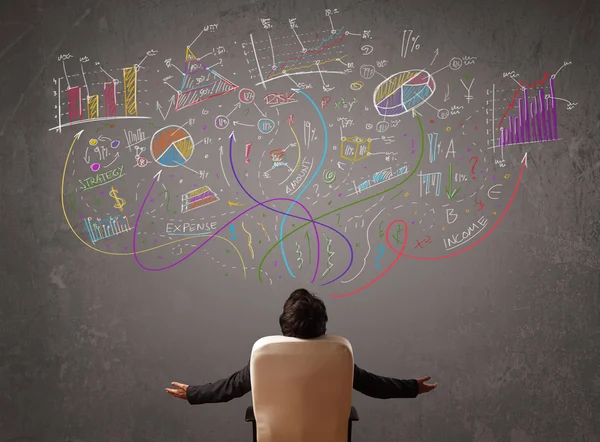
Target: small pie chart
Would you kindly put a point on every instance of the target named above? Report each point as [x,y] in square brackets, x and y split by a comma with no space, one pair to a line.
[171,146]
[403,92]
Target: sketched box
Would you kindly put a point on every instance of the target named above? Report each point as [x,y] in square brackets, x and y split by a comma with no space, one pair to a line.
[197,198]
[355,149]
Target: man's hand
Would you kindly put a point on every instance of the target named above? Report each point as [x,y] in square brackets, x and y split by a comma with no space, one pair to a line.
[423,387]
[180,391]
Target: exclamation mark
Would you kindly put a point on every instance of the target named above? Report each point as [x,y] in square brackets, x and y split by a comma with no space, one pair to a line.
[248,146]
[232,230]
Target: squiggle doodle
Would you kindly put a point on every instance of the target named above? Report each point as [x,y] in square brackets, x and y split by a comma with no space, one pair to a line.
[329,256]
[265,230]
[299,255]
[249,240]
[368,251]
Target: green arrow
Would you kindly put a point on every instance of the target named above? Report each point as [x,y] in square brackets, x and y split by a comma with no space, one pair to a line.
[451,193]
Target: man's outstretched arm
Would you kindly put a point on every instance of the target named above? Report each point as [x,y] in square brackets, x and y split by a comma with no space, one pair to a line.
[381,387]
[233,387]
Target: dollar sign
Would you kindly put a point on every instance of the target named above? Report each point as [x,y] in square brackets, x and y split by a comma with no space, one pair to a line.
[120,202]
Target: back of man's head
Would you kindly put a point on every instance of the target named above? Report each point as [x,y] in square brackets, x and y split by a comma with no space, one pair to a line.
[304,316]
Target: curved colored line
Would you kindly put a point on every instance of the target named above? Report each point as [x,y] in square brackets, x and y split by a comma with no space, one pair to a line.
[135,253]
[311,220]
[368,250]
[299,152]
[305,186]
[355,202]
[399,254]
[249,241]
[437,258]
[62,200]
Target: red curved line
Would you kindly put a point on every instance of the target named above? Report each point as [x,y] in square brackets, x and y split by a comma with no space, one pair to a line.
[399,252]
[522,83]
[301,56]
[437,258]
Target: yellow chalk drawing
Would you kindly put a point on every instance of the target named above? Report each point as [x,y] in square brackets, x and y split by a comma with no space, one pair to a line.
[249,241]
[393,83]
[299,153]
[130,91]
[92,107]
[265,230]
[189,55]
[355,148]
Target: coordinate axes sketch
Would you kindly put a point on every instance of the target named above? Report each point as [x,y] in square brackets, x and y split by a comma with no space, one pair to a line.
[314,160]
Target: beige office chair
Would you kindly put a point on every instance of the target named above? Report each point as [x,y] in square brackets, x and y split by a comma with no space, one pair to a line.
[302,389]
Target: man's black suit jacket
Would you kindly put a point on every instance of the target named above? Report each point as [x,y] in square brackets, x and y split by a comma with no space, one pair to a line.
[238,384]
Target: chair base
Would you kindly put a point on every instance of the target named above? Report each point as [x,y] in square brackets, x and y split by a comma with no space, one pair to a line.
[250,418]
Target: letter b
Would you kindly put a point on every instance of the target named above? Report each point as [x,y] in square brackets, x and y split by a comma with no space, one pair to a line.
[450,215]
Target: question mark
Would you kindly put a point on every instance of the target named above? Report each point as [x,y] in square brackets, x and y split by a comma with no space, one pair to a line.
[339,219]
[246,111]
[317,186]
[474,164]
[379,256]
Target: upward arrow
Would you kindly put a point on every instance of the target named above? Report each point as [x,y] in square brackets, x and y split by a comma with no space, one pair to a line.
[237,106]
[451,193]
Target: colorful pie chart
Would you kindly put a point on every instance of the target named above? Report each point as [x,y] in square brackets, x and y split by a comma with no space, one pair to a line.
[402,92]
[171,146]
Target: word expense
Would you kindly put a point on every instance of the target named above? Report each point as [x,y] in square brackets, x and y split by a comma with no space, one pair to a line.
[296,181]
[105,228]
[379,177]
[458,239]
[102,178]
[190,227]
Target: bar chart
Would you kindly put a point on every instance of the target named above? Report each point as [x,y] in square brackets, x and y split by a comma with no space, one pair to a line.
[96,99]
[535,119]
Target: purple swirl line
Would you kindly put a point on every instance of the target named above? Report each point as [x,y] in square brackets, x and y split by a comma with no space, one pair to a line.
[312,220]
[201,245]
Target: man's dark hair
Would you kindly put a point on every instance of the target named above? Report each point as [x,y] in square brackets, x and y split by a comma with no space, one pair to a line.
[304,316]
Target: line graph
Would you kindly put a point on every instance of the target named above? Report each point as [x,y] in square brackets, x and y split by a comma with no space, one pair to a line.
[315,50]
[290,54]
[518,91]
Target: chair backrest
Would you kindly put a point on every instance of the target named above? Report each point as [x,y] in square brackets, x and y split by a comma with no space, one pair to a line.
[302,389]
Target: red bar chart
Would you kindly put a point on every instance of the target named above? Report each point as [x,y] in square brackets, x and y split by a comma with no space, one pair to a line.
[95,94]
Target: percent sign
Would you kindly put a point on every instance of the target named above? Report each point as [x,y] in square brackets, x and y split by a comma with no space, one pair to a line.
[406,43]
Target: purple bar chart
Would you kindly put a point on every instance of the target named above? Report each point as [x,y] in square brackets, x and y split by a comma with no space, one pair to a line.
[535,122]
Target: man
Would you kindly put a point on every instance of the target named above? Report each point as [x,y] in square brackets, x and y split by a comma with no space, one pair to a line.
[304,316]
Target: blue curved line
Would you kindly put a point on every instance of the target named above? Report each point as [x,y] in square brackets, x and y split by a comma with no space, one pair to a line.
[307,184]
[311,220]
